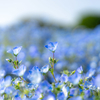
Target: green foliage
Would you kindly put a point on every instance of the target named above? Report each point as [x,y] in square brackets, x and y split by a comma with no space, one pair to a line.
[66,72]
[90,21]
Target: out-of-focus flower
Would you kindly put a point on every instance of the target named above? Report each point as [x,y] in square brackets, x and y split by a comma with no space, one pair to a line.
[65,91]
[4,83]
[20,71]
[15,51]
[45,86]
[35,75]
[17,97]
[2,86]
[87,93]
[2,73]
[76,98]
[64,78]
[80,69]
[2,98]
[45,69]
[90,73]
[9,90]
[73,91]
[97,81]
[49,96]
[52,46]
[75,78]
[32,86]
[7,81]
[60,96]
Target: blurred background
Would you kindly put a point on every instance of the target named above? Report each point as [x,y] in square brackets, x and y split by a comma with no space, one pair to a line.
[32,24]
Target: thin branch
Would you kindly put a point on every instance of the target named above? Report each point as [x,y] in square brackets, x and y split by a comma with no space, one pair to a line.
[16,62]
[23,79]
[53,67]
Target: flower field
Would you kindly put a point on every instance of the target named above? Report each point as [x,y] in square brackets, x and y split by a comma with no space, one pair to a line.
[49,63]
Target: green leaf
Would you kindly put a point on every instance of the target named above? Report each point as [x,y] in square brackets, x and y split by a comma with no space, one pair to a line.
[19,62]
[66,72]
[73,72]
[81,81]
[50,59]
[55,61]
[9,60]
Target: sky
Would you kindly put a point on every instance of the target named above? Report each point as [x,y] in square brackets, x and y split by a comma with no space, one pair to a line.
[60,11]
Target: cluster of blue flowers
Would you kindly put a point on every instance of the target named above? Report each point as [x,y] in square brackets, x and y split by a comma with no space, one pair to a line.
[76,47]
[71,85]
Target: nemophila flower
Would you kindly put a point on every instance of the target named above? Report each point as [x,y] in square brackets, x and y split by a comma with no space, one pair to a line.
[45,87]
[2,86]
[17,97]
[52,46]
[16,81]
[75,78]
[35,75]
[61,96]
[65,90]
[45,69]
[76,98]
[4,83]
[35,97]
[9,90]
[90,73]
[64,78]
[80,69]
[2,98]
[73,91]
[20,71]
[97,81]
[7,81]
[89,85]
[87,94]
[15,51]
[2,73]
[49,96]
[32,86]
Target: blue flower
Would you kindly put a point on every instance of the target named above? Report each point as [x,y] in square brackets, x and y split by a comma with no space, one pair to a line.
[44,86]
[52,46]
[20,71]
[9,90]
[80,69]
[61,96]
[75,78]
[49,96]
[45,69]
[35,75]
[4,83]
[7,81]
[17,97]
[90,73]
[2,73]
[2,98]
[97,80]
[15,51]
[76,98]
[87,94]
[32,86]
[2,86]
[73,92]
[64,78]
[65,90]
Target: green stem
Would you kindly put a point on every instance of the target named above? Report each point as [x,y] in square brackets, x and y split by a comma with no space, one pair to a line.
[16,63]
[53,67]
[23,79]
